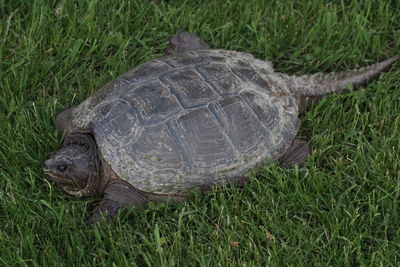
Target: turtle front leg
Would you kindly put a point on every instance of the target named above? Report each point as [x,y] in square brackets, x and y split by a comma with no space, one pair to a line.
[186,41]
[105,208]
[118,194]
[63,120]
[296,154]
[64,123]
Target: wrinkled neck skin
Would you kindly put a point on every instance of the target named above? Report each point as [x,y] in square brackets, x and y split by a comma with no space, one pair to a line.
[97,179]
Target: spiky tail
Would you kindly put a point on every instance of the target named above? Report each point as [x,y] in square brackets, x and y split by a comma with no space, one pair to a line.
[319,85]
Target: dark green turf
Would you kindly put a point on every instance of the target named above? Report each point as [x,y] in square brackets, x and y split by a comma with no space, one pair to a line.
[341,209]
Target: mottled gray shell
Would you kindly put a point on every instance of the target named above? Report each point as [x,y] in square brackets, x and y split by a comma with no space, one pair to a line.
[196,119]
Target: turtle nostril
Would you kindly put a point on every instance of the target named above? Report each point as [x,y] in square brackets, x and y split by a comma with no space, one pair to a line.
[46,163]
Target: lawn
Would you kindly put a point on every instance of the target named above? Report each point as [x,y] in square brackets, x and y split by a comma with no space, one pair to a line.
[341,208]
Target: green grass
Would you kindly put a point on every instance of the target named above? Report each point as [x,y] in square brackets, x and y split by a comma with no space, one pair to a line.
[342,208]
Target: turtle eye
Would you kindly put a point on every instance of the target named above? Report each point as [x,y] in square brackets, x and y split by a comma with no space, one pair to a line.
[62,167]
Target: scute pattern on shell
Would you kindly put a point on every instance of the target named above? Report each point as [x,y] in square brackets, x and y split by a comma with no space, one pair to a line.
[196,119]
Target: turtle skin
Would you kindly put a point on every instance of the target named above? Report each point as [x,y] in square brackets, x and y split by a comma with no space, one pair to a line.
[193,120]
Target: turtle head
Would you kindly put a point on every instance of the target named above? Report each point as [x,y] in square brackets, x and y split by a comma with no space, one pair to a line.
[72,166]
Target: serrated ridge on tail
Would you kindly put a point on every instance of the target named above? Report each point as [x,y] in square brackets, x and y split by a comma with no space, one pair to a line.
[321,84]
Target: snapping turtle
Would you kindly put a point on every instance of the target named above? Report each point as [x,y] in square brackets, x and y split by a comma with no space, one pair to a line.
[197,118]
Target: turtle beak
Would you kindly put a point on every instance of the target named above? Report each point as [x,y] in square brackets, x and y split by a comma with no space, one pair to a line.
[47,169]
[46,165]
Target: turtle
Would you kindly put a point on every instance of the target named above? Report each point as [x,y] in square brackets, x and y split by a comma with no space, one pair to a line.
[192,120]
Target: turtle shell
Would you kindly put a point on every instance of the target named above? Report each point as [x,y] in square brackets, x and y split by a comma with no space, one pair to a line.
[196,119]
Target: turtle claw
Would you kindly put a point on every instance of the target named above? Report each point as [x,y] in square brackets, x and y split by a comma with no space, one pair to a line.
[186,41]
[92,220]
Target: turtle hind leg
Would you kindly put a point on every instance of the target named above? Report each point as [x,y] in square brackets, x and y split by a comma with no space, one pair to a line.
[186,41]
[296,154]
[117,194]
